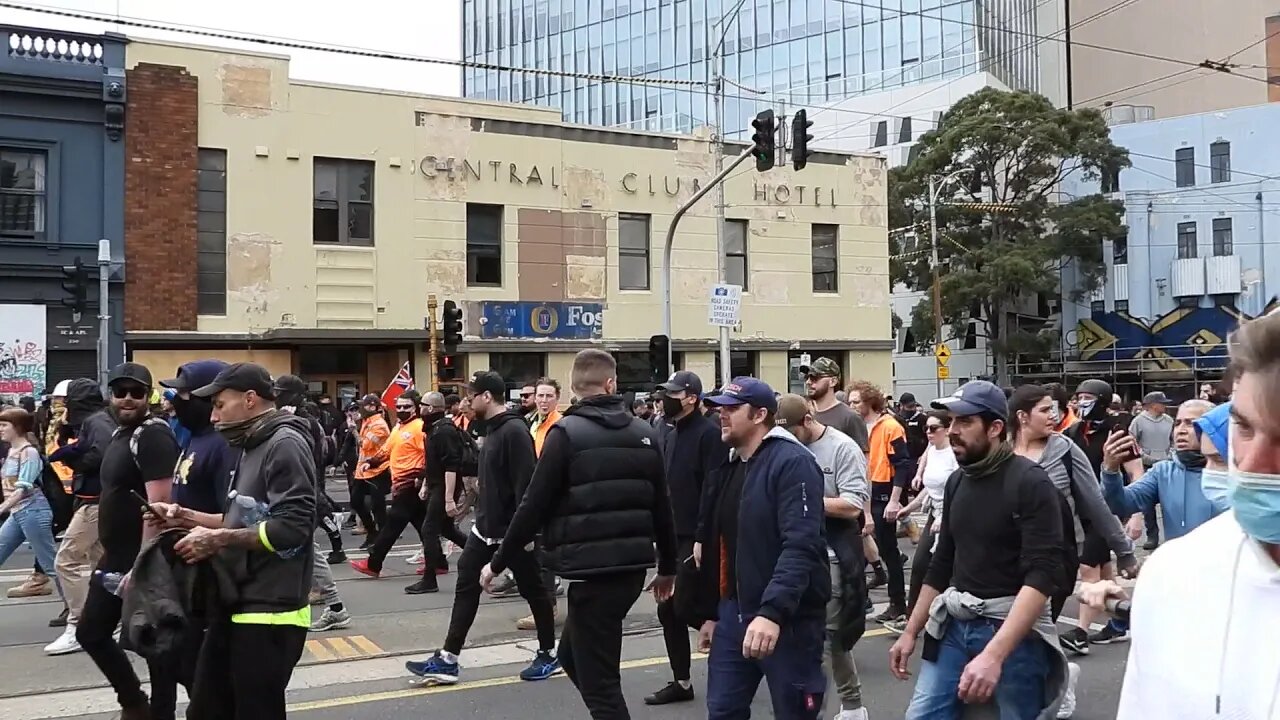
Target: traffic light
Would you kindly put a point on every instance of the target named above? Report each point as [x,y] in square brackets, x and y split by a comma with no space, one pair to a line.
[764,140]
[447,368]
[659,345]
[452,324]
[800,138]
[75,281]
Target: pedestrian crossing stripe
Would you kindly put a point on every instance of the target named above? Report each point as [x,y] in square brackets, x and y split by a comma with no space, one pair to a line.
[342,648]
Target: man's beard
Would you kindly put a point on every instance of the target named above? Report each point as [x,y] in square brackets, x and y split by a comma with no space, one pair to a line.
[973,452]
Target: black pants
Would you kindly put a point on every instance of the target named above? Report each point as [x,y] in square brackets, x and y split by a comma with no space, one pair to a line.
[675,632]
[466,596]
[436,524]
[920,563]
[98,621]
[887,541]
[244,670]
[591,644]
[406,509]
[369,502]
[168,673]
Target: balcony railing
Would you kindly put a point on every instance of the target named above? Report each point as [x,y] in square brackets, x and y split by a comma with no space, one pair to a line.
[53,46]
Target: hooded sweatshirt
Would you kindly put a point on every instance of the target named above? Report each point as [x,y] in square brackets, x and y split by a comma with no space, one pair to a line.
[1068,469]
[93,427]
[1171,484]
[276,467]
[1220,665]
[505,466]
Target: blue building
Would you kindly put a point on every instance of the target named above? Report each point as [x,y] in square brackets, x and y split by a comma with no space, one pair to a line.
[1202,204]
[62,161]
[808,52]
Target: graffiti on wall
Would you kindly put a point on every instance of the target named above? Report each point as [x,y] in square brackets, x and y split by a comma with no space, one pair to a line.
[22,351]
[1182,339]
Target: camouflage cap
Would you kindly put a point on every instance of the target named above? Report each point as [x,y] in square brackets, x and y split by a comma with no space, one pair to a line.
[822,367]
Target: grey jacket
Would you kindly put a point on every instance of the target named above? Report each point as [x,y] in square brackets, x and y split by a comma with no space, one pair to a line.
[1085,499]
[1154,436]
[276,467]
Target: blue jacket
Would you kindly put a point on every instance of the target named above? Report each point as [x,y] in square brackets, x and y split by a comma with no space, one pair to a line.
[1169,483]
[781,565]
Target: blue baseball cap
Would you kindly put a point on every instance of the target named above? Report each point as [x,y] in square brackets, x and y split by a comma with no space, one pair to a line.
[194,375]
[746,391]
[1216,424]
[973,398]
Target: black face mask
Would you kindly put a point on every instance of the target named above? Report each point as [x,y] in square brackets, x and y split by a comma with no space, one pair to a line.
[672,407]
[404,416]
[432,417]
[367,412]
[1191,459]
[193,412]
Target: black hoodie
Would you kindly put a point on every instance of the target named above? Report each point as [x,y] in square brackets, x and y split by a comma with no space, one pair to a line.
[506,465]
[92,425]
[599,494]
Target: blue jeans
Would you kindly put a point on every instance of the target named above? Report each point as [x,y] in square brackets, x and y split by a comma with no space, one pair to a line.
[1020,694]
[794,670]
[34,524]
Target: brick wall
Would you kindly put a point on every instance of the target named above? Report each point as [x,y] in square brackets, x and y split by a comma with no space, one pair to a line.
[161,146]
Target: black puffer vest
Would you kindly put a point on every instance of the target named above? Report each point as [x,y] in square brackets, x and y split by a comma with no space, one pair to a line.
[604,523]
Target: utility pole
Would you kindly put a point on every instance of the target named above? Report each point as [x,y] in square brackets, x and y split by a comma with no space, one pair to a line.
[104,311]
[933,262]
[433,342]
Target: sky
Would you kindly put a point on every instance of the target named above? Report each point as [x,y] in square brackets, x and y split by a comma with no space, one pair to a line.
[422,28]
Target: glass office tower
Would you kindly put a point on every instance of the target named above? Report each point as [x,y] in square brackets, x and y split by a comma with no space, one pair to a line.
[802,52]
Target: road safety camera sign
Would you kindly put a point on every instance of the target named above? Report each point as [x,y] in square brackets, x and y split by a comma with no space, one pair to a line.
[726,305]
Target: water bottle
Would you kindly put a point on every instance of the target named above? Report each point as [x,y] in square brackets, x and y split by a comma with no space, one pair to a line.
[112,582]
[254,512]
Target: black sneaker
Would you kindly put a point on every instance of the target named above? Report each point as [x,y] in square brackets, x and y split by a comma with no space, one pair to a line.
[367,544]
[674,692]
[1151,544]
[892,614]
[880,580]
[422,587]
[1075,640]
[61,620]
[337,557]
[1109,634]
[504,586]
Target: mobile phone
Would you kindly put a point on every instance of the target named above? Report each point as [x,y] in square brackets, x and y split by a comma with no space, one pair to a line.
[146,505]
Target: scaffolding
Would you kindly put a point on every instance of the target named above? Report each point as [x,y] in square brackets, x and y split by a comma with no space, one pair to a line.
[1176,370]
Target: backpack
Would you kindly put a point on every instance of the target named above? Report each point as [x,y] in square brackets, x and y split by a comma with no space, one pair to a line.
[1069,555]
[136,436]
[470,464]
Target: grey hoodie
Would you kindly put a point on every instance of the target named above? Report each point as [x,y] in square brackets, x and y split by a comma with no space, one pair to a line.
[1086,501]
[276,467]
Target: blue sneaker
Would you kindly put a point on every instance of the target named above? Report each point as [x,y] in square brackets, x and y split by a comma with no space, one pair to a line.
[435,670]
[544,665]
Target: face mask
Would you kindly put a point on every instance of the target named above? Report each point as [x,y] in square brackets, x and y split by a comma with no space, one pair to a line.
[1086,407]
[193,413]
[432,416]
[671,407]
[404,415]
[1191,459]
[1215,486]
[235,433]
[1255,498]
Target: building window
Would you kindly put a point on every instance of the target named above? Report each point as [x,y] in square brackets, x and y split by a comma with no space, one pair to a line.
[1186,240]
[1184,161]
[1098,306]
[484,245]
[742,363]
[1110,180]
[22,192]
[633,252]
[211,232]
[519,368]
[735,252]
[1221,236]
[1122,306]
[825,241]
[342,205]
[881,134]
[904,131]
[1220,162]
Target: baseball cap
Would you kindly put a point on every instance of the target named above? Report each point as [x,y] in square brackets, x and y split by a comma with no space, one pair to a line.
[746,390]
[907,399]
[1156,397]
[822,367]
[488,381]
[194,375]
[369,399]
[792,410]
[241,377]
[974,397]
[683,381]
[130,371]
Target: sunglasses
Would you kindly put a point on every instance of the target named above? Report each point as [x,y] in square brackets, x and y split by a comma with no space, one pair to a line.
[120,392]
[932,428]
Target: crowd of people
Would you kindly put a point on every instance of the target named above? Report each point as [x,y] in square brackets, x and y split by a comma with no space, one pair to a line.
[202,495]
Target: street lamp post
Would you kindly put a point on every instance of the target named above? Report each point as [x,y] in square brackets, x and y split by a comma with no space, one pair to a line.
[935,185]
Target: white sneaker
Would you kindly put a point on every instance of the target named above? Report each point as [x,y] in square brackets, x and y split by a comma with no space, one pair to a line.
[65,644]
[417,558]
[1068,707]
[859,714]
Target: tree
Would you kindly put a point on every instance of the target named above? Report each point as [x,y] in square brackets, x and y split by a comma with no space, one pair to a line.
[1015,150]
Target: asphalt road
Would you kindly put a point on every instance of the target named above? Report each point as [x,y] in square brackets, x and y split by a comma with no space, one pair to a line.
[358,672]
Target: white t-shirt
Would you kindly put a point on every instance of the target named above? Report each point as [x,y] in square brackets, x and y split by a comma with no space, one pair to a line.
[1194,648]
[939,463]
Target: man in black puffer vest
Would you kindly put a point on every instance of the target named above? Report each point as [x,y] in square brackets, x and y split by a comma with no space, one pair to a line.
[599,496]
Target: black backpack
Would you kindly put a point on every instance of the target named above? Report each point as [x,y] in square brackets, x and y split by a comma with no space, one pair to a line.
[470,453]
[1069,555]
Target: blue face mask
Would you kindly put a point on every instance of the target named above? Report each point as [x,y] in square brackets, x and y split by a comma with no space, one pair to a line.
[1255,498]
[1215,486]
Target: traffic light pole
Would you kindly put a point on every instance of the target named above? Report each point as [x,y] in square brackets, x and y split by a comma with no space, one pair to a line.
[433,341]
[104,310]
[671,236]
[724,351]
